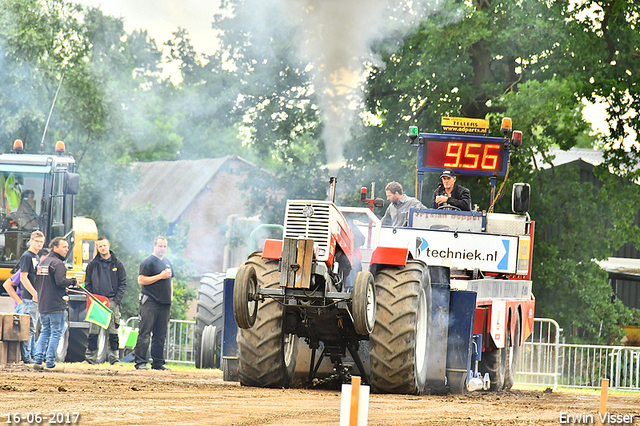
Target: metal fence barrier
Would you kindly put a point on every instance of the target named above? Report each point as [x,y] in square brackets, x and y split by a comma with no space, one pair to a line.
[539,360]
[585,365]
[178,346]
[546,360]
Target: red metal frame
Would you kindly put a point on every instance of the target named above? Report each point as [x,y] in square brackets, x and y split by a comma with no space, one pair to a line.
[390,256]
[272,249]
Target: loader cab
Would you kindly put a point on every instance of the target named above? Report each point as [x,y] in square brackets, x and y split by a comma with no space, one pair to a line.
[38,193]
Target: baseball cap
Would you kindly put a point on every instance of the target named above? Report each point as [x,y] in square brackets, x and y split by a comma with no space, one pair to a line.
[447,172]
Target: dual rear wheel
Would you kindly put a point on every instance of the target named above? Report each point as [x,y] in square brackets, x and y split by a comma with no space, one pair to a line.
[501,363]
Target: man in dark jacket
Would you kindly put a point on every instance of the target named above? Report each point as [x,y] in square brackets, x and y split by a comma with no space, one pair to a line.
[449,193]
[105,276]
[51,285]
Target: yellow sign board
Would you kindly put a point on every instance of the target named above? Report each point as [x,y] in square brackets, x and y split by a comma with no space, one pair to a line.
[461,125]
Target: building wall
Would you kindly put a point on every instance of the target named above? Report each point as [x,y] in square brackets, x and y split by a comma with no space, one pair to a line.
[208,214]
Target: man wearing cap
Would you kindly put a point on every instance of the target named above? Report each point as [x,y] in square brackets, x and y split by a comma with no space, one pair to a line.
[450,193]
[397,213]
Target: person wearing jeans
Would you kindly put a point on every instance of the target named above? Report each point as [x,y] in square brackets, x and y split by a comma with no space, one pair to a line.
[52,283]
[29,295]
[52,326]
[28,348]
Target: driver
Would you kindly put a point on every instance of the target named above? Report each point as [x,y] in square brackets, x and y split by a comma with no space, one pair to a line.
[449,193]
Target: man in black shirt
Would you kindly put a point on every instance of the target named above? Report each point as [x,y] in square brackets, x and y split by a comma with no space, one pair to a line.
[156,294]
[28,263]
[105,276]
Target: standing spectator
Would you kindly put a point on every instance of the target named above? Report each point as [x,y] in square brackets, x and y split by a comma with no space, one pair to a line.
[52,283]
[28,294]
[156,294]
[105,276]
[12,287]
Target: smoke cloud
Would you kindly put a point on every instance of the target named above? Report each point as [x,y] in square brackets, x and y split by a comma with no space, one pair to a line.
[336,37]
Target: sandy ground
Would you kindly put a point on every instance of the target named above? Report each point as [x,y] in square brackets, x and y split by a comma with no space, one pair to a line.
[125,396]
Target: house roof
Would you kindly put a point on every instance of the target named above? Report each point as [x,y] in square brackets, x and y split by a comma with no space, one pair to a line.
[171,186]
[587,155]
[622,267]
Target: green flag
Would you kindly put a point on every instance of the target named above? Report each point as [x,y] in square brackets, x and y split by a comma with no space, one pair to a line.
[98,313]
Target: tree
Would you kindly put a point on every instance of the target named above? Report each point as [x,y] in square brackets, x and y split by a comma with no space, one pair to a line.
[109,111]
[533,61]
[520,59]
[40,42]
[136,229]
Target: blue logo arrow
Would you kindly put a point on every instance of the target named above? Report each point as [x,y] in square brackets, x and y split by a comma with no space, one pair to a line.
[504,262]
[424,244]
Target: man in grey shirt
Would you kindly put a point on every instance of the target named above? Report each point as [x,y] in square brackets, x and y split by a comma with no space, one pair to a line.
[398,211]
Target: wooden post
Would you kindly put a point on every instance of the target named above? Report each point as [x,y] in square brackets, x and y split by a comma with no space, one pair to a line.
[355,398]
[604,384]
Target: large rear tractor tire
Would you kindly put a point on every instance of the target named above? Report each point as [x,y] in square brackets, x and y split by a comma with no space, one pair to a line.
[77,344]
[363,303]
[208,313]
[266,354]
[513,354]
[398,344]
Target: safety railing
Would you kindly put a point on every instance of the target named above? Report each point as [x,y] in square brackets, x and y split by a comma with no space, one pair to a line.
[178,346]
[539,355]
[585,365]
[546,360]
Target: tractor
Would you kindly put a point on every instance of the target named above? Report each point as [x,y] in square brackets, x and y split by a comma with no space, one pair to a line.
[39,194]
[441,305]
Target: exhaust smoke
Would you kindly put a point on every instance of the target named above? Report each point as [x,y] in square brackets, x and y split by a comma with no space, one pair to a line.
[336,38]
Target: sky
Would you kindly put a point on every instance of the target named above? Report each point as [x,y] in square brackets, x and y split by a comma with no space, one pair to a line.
[161,17]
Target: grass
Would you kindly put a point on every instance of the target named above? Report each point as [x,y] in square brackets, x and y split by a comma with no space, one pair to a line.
[583,391]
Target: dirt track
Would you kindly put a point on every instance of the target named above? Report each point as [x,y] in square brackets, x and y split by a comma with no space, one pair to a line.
[124,396]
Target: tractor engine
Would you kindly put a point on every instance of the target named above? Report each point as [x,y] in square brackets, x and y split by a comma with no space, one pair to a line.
[318,247]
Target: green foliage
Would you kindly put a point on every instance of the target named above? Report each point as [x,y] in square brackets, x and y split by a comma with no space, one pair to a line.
[578,223]
[533,61]
[133,230]
[581,301]
[632,318]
